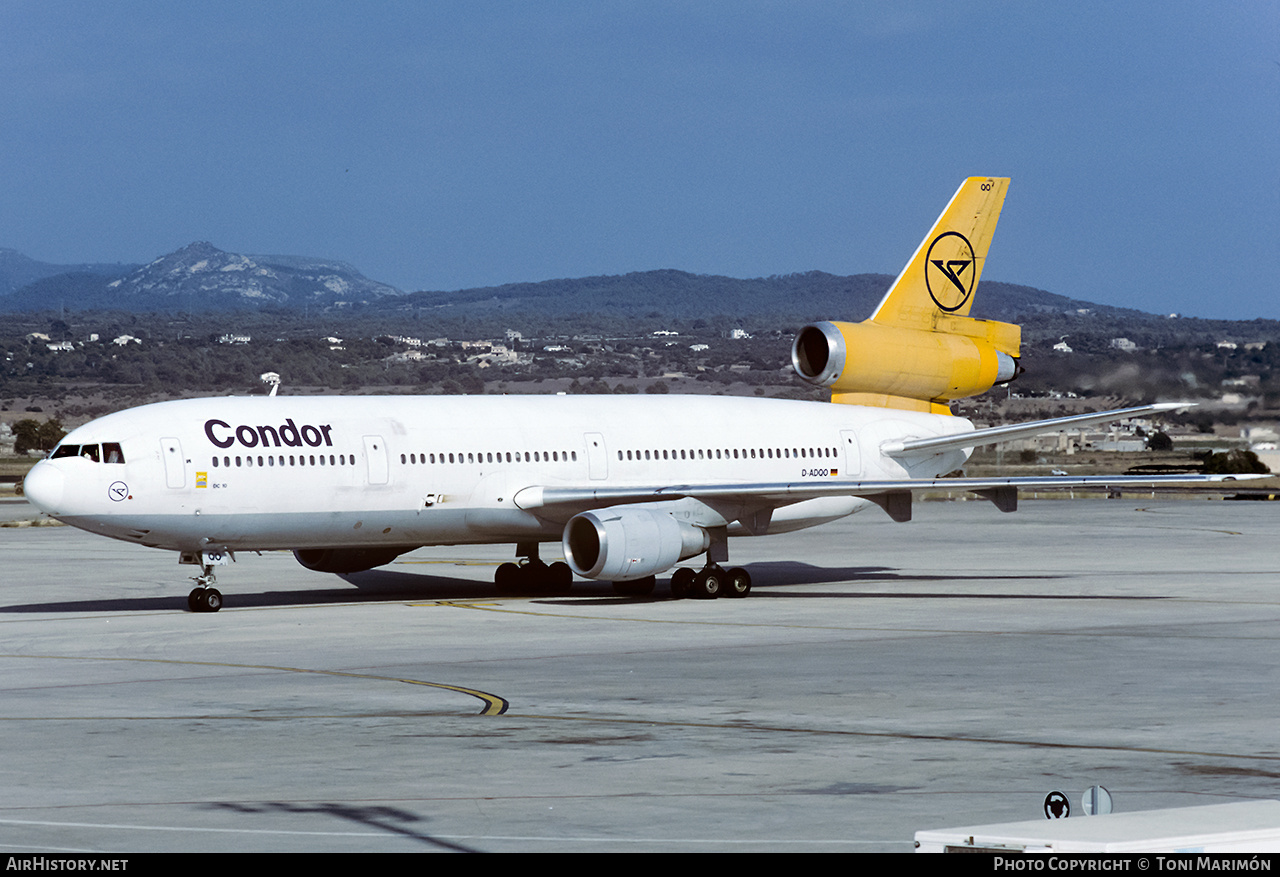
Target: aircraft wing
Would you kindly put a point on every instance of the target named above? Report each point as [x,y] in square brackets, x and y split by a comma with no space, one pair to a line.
[755,500]
[893,496]
[785,493]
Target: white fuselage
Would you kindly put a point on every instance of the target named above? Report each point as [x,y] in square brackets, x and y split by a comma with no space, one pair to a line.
[249,473]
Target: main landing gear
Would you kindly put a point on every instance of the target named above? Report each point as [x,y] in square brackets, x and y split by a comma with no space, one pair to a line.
[204,597]
[531,575]
[710,582]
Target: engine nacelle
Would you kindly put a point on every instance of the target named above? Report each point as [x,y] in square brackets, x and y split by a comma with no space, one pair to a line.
[345,560]
[873,364]
[625,543]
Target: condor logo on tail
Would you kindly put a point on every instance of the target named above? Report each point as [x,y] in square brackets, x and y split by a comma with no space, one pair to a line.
[946,274]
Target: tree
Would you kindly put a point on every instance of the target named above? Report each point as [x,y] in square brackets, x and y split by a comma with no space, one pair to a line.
[1233,462]
[31,435]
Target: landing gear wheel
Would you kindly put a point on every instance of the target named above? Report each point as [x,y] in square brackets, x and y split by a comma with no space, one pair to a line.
[737,583]
[537,578]
[682,582]
[708,583]
[534,577]
[204,600]
[508,578]
[560,577]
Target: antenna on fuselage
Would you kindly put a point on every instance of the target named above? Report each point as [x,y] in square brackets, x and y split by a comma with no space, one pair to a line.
[272,378]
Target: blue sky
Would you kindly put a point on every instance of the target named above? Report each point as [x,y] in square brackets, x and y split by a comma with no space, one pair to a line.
[443,145]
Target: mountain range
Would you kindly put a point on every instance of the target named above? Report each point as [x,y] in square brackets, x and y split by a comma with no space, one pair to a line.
[200,278]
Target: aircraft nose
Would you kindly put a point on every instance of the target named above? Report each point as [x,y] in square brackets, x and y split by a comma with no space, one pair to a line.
[44,486]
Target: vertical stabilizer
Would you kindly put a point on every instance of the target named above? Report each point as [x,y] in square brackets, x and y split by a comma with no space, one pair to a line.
[942,276]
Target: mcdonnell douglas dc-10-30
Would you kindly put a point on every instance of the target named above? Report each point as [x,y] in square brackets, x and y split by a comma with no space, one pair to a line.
[629,486]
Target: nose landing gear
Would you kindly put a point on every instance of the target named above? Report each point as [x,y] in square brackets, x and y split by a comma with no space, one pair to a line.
[204,597]
[204,600]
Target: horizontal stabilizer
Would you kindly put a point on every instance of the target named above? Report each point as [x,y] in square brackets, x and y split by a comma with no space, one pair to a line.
[978,437]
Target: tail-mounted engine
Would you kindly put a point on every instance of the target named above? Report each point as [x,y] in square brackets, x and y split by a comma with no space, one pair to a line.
[895,367]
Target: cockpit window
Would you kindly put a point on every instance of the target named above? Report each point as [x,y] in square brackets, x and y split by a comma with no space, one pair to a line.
[109,452]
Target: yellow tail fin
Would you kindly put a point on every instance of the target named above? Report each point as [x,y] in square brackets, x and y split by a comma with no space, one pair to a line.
[943,274]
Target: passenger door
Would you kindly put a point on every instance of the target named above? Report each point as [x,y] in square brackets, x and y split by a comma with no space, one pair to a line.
[375,451]
[175,468]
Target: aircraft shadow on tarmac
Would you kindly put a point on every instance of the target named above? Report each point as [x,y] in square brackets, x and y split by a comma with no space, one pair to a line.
[392,820]
[772,580]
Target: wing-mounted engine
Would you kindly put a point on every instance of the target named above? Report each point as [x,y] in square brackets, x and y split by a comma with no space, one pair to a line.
[894,367]
[624,543]
[921,349]
[346,560]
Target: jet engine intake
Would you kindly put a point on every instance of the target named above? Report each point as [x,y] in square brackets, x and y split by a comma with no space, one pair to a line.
[345,560]
[625,543]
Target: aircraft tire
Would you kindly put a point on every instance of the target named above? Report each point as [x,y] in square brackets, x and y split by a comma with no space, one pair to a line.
[737,582]
[682,582]
[708,584]
[211,600]
[560,577]
[508,578]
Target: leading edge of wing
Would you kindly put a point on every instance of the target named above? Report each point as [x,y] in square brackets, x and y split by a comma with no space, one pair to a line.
[996,434]
[785,493]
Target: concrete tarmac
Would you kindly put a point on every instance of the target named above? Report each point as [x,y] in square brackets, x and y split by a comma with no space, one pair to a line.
[882,678]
